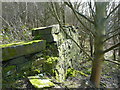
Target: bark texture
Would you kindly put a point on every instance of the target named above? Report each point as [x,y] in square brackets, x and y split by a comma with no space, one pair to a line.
[98,43]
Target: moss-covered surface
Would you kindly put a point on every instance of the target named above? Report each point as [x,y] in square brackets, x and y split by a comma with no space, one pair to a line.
[13,50]
[50,65]
[41,63]
[71,72]
[40,83]
[19,43]
[16,71]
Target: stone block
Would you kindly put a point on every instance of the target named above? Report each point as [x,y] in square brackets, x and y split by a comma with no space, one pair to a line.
[46,33]
[10,51]
[40,83]
[45,30]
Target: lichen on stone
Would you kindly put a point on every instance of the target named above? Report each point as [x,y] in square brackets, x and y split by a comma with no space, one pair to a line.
[18,43]
[40,83]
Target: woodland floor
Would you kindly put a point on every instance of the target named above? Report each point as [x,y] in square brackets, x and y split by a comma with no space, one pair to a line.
[110,79]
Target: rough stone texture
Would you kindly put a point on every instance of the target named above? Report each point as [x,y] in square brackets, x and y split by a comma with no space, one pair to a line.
[37,82]
[22,49]
[69,53]
[47,33]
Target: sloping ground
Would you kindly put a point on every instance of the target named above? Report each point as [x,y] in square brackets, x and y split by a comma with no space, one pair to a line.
[43,66]
[75,63]
[17,59]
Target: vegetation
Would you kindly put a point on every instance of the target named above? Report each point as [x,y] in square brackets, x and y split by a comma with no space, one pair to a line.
[86,53]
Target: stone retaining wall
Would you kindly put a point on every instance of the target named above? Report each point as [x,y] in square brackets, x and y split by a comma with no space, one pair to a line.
[69,53]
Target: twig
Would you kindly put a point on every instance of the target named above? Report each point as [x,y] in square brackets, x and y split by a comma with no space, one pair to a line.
[70,5]
[112,11]
[57,18]
[112,61]
[111,48]
[111,37]
[113,31]
[90,6]
[84,17]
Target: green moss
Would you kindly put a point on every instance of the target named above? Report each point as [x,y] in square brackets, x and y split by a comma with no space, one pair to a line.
[71,72]
[19,43]
[52,59]
[40,83]
[108,76]
[10,44]
[82,73]
[50,65]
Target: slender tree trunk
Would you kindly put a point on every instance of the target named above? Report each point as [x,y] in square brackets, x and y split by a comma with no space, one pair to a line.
[119,30]
[63,14]
[98,43]
[119,47]
[91,46]
[114,51]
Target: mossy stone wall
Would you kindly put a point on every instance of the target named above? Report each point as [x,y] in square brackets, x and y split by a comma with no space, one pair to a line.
[69,53]
[46,33]
[10,51]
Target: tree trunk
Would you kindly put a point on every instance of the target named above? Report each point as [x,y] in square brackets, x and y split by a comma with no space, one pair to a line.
[114,51]
[97,63]
[119,48]
[91,46]
[63,14]
[98,43]
[119,30]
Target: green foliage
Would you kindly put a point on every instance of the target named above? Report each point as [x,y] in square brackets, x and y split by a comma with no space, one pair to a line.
[10,75]
[71,72]
[49,65]
[23,27]
[18,43]
[88,71]
[40,83]
[13,73]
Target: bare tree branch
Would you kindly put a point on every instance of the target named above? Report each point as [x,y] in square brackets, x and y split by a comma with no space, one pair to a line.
[80,14]
[113,31]
[5,21]
[111,37]
[90,6]
[86,28]
[111,48]
[84,17]
[112,11]
[56,16]
[112,61]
